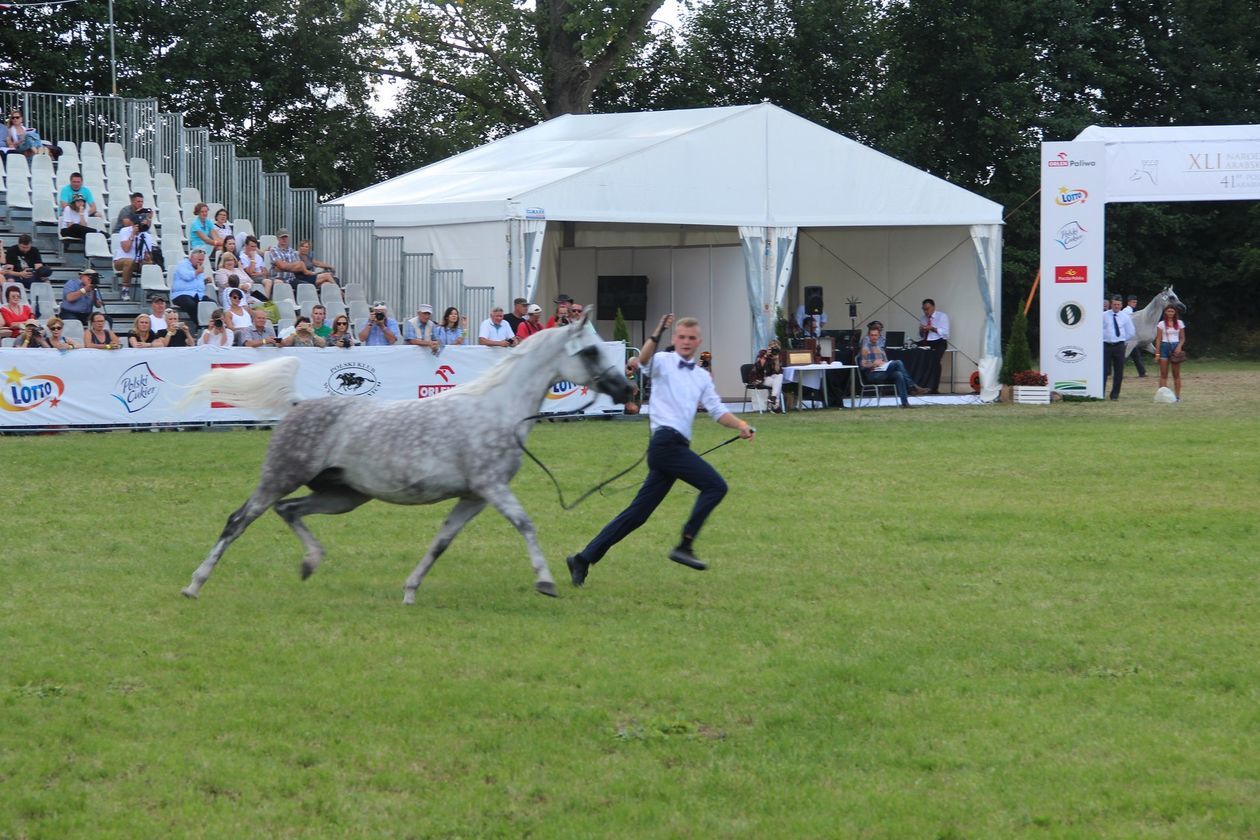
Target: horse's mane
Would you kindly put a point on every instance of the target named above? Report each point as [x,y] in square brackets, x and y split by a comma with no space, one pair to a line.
[503,371]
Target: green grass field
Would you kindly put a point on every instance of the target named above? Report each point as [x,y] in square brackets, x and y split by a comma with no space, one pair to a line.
[972,622]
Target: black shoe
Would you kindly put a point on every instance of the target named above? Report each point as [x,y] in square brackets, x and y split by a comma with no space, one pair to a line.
[578,569]
[686,558]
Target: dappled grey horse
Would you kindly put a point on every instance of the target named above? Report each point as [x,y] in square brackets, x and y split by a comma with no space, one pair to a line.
[1144,320]
[463,444]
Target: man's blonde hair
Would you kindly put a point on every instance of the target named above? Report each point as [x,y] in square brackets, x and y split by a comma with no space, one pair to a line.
[687,322]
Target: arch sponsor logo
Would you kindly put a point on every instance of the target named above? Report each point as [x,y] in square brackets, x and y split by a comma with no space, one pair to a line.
[1071,196]
[137,388]
[1062,161]
[1071,274]
[565,388]
[1070,386]
[1070,355]
[27,391]
[1071,235]
[352,379]
[1071,314]
[444,372]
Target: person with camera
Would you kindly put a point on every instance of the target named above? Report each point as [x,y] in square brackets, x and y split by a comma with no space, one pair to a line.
[125,261]
[679,384]
[80,296]
[340,336]
[57,335]
[178,333]
[31,336]
[495,331]
[26,263]
[303,335]
[133,213]
[767,370]
[98,335]
[532,323]
[561,317]
[142,335]
[380,330]
[259,334]
[217,334]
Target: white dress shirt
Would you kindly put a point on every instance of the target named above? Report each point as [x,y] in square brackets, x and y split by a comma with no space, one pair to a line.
[123,237]
[1118,327]
[940,326]
[820,318]
[676,391]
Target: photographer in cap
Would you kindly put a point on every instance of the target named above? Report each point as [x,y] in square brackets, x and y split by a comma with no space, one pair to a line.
[418,331]
[380,330]
[80,296]
[532,323]
[561,317]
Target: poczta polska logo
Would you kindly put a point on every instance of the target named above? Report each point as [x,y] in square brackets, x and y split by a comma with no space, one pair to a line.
[23,392]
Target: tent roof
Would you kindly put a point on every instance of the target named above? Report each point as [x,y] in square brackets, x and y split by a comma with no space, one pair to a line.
[1170,133]
[741,165]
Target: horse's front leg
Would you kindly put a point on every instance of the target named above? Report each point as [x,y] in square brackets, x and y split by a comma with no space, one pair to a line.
[504,501]
[459,516]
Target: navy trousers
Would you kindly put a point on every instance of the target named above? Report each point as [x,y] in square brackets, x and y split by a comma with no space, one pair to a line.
[669,459]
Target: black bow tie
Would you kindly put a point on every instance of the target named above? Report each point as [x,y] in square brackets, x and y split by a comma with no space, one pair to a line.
[683,363]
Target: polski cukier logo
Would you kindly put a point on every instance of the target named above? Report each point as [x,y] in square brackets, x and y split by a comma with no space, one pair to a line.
[26,391]
[137,388]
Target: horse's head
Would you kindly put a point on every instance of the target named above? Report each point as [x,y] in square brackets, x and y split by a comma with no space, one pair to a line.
[1168,296]
[587,362]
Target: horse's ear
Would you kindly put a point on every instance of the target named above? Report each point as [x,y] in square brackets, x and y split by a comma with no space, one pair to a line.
[580,324]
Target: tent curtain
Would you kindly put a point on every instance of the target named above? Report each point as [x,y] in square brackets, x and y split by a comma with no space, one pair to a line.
[768,254]
[534,231]
[987,240]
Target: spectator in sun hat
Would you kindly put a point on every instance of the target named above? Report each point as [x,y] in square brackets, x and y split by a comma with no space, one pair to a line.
[561,317]
[419,331]
[380,329]
[531,324]
[80,295]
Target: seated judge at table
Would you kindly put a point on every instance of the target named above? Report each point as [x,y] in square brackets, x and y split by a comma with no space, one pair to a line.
[876,368]
[809,328]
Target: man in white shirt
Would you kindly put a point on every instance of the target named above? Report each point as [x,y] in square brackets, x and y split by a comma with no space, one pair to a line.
[820,320]
[1117,332]
[1130,306]
[934,334]
[125,256]
[679,384]
[495,331]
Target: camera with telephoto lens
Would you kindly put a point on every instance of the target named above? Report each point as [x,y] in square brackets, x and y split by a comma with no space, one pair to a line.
[218,323]
[380,316]
[343,342]
[143,217]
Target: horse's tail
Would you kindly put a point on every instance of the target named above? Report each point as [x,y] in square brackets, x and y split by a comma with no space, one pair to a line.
[266,387]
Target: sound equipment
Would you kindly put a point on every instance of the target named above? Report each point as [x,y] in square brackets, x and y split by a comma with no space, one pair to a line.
[813,300]
[627,292]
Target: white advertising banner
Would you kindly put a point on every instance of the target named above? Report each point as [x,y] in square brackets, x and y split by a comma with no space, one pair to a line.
[1073,198]
[1189,171]
[127,387]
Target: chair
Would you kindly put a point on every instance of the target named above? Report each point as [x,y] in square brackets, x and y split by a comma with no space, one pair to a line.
[152,280]
[243,227]
[43,298]
[115,151]
[96,247]
[745,372]
[355,291]
[872,389]
[306,294]
[282,296]
[190,196]
[139,166]
[335,308]
[359,312]
[205,309]
[73,331]
[165,181]
[266,242]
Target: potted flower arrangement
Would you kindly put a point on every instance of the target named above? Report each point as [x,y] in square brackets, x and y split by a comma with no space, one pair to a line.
[1029,388]
[1022,383]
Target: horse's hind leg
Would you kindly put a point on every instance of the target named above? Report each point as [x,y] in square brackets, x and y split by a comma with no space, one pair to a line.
[253,508]
[505,502]
[459,516]
[340,500]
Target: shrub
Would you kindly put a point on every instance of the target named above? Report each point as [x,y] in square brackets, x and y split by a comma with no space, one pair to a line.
[620,331]
[1017,356]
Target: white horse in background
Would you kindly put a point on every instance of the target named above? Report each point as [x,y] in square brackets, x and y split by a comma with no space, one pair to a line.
[1144,320]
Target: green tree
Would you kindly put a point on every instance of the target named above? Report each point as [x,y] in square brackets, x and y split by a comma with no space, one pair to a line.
[1017,356]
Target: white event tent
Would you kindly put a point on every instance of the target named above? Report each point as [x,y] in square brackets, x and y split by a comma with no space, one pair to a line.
[724,210]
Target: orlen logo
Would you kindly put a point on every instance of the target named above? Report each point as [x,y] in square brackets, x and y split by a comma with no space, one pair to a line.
[137,388]
[445,371]
[22,392]
[564,388]
[1061,160]
[1069,197]
[1071,273]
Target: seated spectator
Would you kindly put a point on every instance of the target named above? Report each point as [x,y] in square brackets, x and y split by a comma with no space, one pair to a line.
[80,296]
[74,220]
[260,333]
[318,316]
[256,267]
[31,336]
[575,311]
[768,370]
[157,315]
[19,138]
[142,334]
[217,334]
[231,276]
[125,262]
[15,312]
[520,309]
[418,331]
[236,315]
[303,335]
[562,312]
[876,368]
[451,330]
[188,283]
[76,188]
[177,332]
[282,260]
[532,323]
[26,261]
[311,270]
[98,335]
[223,228]
[876,326]
[495,332]
[341,335]
[229,247]
[201,235]
[56,335]
[133,213]
[380,330]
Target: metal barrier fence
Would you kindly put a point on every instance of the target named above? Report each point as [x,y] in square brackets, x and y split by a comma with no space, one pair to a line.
[187,154]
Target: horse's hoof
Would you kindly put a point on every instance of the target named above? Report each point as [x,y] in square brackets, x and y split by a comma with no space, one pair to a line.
[189,592]
[307,570]
[409,598]
[546,587]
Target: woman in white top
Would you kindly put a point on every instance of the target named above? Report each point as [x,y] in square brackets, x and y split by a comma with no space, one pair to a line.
[223,227]
[217,334]
[1170,339]
[236,315]
[230,276]
[74,220]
